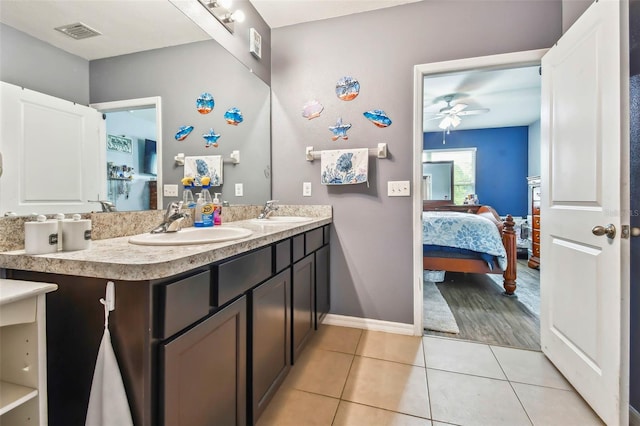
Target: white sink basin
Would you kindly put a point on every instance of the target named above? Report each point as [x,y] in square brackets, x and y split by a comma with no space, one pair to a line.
[188,236]
[281,220]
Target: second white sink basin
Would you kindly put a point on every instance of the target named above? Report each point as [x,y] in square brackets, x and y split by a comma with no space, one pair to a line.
[188,236]
[277,220]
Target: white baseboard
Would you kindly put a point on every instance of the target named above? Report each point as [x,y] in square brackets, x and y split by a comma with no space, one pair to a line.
[369,324]
[634,417]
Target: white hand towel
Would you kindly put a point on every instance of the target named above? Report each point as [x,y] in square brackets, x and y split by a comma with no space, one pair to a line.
[344,166]
[108,405]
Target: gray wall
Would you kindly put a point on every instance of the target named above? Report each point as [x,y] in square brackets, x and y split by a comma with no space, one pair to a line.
[179,75]
[571,11]
[28,62]
[371,256]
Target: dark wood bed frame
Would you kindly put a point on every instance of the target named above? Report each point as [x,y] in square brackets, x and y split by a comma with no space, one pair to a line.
[478,266]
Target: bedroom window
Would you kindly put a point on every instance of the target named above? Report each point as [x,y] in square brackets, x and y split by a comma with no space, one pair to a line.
[464,169]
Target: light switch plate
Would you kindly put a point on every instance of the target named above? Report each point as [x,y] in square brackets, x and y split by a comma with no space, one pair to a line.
[170,190]
[398,188]
[239,190]
[306,189]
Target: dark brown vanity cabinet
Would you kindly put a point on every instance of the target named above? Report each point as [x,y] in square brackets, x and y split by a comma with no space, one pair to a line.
[322,295]
[270,340]
[303,325]
[209,346]
[204,371]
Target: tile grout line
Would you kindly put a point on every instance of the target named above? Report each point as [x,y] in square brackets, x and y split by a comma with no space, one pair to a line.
[511,385]
[347,378]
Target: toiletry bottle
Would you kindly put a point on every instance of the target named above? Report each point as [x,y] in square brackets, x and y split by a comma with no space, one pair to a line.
[187,197]
[197,222]
[207,207]
[60,219]
[217,209]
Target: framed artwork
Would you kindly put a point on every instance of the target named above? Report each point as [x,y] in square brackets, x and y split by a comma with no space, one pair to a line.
[119,143]
[255,43]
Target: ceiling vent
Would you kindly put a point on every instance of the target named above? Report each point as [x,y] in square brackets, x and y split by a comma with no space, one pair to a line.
[78,31]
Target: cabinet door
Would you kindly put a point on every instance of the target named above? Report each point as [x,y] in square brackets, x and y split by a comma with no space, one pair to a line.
[204,380]
[303,303]
[270,339]
[322,284]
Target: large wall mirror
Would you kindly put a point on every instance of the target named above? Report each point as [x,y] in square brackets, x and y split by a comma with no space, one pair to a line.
[187,65]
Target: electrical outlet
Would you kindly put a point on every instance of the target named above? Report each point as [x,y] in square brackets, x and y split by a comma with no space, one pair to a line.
[170,190]
[398,188]
[306,189]
[239,190]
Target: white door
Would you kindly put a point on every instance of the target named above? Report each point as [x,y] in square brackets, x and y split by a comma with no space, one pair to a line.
[582,277]
[51,152]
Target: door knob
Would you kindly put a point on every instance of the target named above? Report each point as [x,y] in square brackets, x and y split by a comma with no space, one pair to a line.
[635,231]
[609,231]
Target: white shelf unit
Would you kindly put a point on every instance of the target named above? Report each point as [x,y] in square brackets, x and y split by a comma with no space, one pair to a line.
[23,361]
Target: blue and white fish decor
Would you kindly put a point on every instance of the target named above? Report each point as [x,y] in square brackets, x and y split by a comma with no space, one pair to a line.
[233,116]
[183,132]
[205,103]
[339,130]
[378,117]
[312,109]
[211,139]
[347,88]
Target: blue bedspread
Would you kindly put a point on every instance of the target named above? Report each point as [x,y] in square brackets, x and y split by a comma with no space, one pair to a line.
[465,231]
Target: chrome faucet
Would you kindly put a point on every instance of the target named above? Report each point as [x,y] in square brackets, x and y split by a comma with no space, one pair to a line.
[107,206]
[269,207]
[173,218]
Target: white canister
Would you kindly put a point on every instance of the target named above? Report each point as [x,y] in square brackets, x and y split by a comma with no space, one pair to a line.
[76,233]
[41,236]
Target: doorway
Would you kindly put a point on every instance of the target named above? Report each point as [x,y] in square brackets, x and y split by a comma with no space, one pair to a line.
[132,141]
[506,61]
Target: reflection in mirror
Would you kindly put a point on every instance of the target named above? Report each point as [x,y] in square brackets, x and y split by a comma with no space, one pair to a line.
[177,71]
[437,180]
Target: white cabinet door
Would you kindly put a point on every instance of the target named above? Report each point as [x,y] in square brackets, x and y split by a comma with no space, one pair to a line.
[583,283]
[52,161]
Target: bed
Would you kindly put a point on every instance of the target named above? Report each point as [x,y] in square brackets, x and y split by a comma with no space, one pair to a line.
[469,239]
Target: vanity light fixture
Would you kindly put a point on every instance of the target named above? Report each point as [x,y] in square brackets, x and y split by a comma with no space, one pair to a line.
[221,10]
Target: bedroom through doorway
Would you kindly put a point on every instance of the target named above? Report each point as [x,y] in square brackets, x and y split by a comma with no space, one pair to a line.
[487,122]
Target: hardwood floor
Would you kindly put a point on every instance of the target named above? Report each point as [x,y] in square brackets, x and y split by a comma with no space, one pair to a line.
[485,315]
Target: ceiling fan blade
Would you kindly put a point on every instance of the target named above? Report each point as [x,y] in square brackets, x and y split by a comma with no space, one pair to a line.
[457,108]
[474,111]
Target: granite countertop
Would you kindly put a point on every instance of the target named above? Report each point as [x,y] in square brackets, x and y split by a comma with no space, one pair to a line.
[117,259]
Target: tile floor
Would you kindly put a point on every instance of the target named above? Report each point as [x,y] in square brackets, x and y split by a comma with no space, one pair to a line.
[348,376]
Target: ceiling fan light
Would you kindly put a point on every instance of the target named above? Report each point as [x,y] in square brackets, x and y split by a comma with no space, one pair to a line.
[445,123]
[455,120]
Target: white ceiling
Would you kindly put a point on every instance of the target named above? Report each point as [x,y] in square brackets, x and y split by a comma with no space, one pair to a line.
[511,95]
[281,13]
[127,26]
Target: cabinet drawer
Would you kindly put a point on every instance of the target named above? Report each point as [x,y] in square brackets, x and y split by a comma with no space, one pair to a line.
[536,236]
[283,255]
[298,247]
[184,302]
[536,222]
[238,275]
[536,249]
[535,209]
[313,240]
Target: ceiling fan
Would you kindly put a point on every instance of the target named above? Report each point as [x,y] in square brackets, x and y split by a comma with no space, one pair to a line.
[451,114]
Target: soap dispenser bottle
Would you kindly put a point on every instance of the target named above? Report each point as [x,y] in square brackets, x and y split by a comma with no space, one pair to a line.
[197,221]
[217,209]
[207,207]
